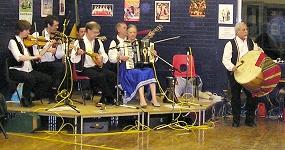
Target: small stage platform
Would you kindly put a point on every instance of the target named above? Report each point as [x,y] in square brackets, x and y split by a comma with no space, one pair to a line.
[91,111]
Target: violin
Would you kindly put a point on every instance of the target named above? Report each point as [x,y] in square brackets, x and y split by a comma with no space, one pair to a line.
[31,40]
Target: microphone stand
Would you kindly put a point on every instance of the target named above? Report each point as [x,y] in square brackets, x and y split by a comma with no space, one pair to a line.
[65,94]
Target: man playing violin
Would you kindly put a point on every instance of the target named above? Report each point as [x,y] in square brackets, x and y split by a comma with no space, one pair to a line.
[233,51]
[52,53]
[20,63]
[90,55]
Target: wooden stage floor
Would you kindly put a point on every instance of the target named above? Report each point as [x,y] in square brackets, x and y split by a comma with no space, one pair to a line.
[91,111]
[268,134]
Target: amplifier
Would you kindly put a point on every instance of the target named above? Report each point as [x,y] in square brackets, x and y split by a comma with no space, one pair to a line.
[95,126]
[156,120]
[22,122]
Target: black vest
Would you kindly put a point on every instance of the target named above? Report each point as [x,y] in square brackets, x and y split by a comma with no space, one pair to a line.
[96,48]
[235,50]
[11,60]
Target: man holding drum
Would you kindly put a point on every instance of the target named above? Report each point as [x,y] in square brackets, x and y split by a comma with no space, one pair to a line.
[233,51]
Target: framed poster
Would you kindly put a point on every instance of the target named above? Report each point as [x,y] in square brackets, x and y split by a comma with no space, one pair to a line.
[105,10]
[132,10]
[162,11]
[61,7]
[26,10]
[46,7]
[197,8]
[225,14]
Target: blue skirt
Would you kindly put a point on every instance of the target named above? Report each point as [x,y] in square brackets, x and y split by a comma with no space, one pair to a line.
[132,79]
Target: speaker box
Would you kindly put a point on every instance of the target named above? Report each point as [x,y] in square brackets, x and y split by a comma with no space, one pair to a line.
[22,122]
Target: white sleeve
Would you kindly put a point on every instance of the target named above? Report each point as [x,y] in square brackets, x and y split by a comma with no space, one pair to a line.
[12,46]
[227,57]
[75,58]
[113,53]
[36,50]
[60,51]
[102,52]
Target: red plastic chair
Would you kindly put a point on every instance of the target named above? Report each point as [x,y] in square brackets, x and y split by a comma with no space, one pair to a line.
[79,79]
[186,66]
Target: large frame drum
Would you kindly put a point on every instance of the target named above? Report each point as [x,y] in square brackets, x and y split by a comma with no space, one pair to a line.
[257,73]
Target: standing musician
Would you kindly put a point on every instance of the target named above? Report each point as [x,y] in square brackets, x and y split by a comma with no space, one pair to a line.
[233,51]
[133,80]
[90,54]
[20,63]
[50,62]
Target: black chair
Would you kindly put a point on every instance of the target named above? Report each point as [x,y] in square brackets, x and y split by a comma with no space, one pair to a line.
[12,85]
[3,114]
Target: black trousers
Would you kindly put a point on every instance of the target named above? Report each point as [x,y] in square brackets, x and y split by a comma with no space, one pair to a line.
[251,102]
[34,81]
[55,69]
[102,78]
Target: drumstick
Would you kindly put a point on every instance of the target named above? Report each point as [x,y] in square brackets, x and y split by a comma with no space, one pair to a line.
[240,64]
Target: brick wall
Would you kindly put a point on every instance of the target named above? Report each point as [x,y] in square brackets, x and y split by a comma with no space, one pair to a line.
[199,33]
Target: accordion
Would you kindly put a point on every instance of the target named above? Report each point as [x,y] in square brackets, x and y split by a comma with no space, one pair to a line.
[140,54]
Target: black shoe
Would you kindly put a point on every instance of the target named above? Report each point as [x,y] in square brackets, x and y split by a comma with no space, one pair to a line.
[103,100]
[236,124]
[236,121]
[86,95]
[249,123]
[26,102]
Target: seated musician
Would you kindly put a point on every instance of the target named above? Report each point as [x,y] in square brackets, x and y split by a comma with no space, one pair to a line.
[133,80]
[233,51]
[121,30]
[20,63]
[93,67]
[51,62]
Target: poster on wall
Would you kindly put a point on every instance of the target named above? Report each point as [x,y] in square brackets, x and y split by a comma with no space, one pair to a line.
[197,8]
[26,10]
[225,14]
[105,10]
[226,32]
[61,7]
[162,11]
[46,7]
[132,10]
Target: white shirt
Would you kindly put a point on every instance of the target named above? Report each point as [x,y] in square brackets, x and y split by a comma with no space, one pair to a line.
[88,45]
[48,56]
[113,52]
[12,46]
[242,48]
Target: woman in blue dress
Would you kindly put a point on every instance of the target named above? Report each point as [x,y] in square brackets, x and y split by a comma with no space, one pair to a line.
[136,79]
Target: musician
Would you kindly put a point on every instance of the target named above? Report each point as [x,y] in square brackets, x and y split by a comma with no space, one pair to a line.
[95,69]
[233,51]
[80,31]
[51,62]
[133,80]
[20,63]
[121,30]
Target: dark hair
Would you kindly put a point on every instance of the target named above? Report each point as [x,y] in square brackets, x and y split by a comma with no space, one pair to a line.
[49,20]
[22,25]
[80,25]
